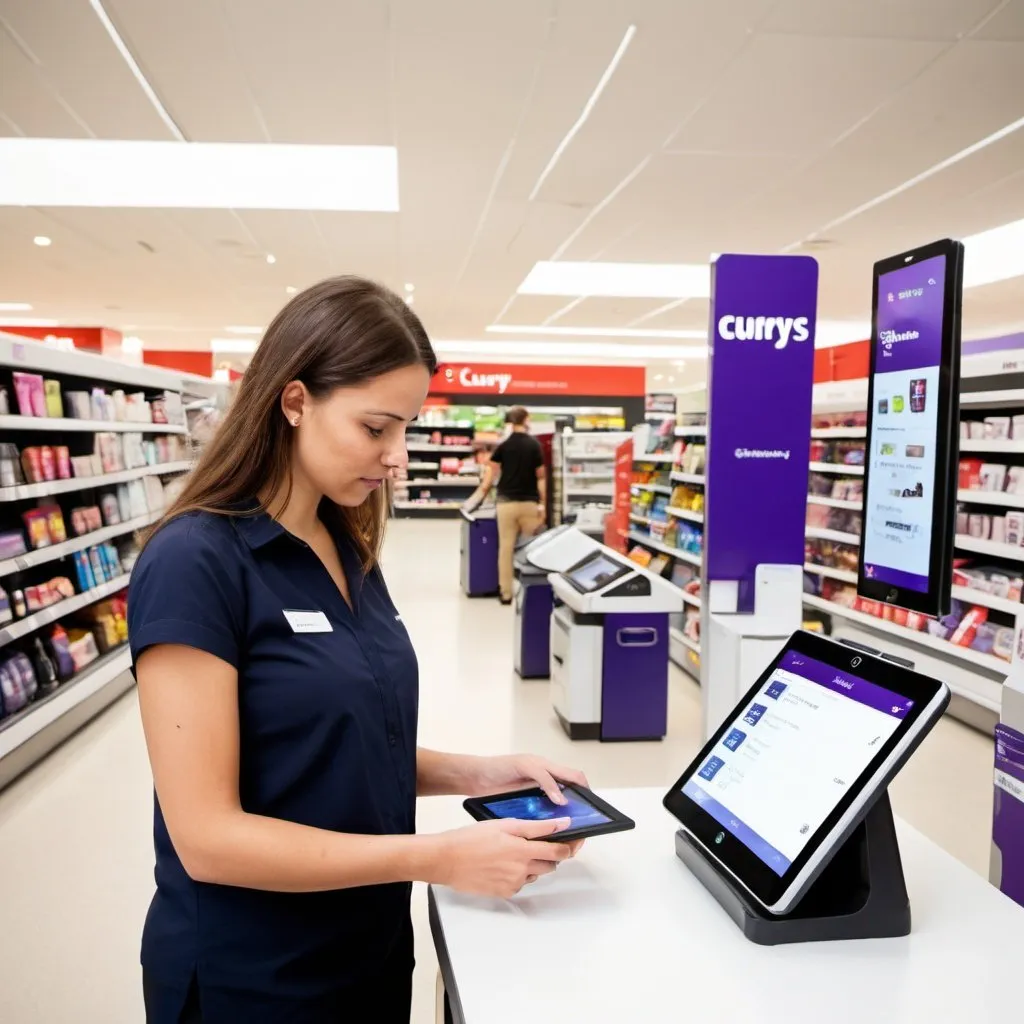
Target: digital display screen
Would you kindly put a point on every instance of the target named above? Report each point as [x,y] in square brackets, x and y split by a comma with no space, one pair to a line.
[538,807]
[792,753]
[595,573]
[902,448]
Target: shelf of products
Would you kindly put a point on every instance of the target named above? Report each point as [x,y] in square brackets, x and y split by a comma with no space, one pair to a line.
[851,506]
[668,549]
[454,449]
[448,435]
[439,506]
[653,488]
[1003,446]
[843,575]
[1010,552]
[91,452]
[685,513]
[680,636]
[687,478]
[912,636]
[696,430]
[642,520]
[838,433]
[822,533]
[979,497]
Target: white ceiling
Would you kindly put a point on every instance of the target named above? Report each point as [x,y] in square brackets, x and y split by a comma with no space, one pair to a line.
[730,125]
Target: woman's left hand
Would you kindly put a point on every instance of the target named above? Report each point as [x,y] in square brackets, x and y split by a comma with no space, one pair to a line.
[508,772]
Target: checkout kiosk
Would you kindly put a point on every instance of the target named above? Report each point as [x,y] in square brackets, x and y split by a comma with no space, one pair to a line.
[609,648]
[478,551]
[554,550]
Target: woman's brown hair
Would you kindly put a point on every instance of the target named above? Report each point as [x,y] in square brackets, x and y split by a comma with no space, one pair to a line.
[342,332]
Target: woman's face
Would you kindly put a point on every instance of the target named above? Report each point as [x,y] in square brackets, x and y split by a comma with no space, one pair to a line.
[348,443]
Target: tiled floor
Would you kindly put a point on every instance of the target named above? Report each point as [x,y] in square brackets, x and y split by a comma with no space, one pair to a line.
[75,856]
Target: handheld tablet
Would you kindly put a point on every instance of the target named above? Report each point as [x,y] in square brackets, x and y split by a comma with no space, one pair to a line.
[798,763]
[590,815]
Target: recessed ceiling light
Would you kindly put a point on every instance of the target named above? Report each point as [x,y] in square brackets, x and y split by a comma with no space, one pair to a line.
[410,299]
[244,330]
[42,240]
[239,346]
[131,345]
[619,280]
[659,376]
[410,287]
[14,307]
[290,289]
[271,258]
[121,174]
[595,332]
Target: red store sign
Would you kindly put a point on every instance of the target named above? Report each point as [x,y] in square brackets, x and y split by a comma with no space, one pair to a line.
[496,379]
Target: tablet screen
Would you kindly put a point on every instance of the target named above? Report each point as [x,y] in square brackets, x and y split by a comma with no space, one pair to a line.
[791,754]
[595,572]
[538,807]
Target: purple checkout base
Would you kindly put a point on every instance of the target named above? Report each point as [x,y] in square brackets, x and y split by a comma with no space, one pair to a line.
[480,557]
[533,629]
[634,685]
[1008,812]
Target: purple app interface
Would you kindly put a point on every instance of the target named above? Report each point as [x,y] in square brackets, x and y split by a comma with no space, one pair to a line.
[774,788]
[537,807]
[902,448]
[754,714]
[595,573]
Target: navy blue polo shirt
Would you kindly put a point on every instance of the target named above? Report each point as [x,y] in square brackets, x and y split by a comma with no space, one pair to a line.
[328,738]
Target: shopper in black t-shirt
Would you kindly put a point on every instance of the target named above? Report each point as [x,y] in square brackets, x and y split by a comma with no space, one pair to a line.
[521,491]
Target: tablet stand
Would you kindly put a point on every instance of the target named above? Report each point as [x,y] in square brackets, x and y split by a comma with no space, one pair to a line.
[860,894]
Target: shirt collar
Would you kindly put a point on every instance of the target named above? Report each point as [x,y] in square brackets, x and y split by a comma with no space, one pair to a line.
[257,528]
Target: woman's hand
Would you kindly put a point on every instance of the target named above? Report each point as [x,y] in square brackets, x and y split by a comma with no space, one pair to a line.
[518,771]
[506,772]
[497,858]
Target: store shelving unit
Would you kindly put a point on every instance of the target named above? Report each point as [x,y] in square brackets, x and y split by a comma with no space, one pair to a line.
[838,468]
[32,732]
[424,490]
[583,471]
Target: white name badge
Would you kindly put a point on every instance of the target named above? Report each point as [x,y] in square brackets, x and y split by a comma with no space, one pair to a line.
[308,622]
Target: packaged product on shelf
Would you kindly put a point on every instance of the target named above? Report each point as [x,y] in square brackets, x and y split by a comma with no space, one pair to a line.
[82,645]
[99,567]
[36,528]
[135,453]
[999,529]
[77,405]
[102,405]
[32,464]
[1002,645]
[110,452]
[58,644]
[5,402]
[47,463]
[11,474]
[13,696]
[83,571]
[964,632]
[992,476]
[117,397]
[979,526]
[124,502]
[19,660]
[970,474]
[137,499]
[12,543]
[45,669]
[137,408]
[110,509]
[6,613]
[52,399]
[1014,528]
[174,411]
[659,564]
[1017,427]
[640,555]
[158,409]
[155,493]
[18,604]
[997,427]
[62,457]
[31,395]
[984,638]
[55,523]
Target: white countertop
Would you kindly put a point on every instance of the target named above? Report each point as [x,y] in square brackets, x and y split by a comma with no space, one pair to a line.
[625,933]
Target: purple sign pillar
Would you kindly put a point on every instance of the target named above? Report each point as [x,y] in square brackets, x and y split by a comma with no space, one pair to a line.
[760,372]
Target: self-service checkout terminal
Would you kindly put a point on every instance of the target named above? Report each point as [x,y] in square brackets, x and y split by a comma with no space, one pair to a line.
[609,648]
[554,550]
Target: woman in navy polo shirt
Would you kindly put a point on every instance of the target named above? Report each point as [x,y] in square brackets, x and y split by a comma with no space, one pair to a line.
[278,690]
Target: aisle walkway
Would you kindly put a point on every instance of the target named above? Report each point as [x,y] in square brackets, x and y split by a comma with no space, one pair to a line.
[75,855]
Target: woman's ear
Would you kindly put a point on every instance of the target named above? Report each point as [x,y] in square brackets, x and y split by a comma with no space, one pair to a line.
[294,399]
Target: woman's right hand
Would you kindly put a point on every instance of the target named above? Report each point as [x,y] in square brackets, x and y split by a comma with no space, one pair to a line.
[497,858]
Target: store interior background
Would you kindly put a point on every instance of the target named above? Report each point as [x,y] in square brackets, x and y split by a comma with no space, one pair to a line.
[565,171]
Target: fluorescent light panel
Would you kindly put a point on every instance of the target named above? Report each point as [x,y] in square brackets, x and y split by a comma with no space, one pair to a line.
[587,109]
[994,255]
[14,307]
[26,321]
[546,350]
[619,280]
[593,332]
[239,346]
[199,175]
[244,330]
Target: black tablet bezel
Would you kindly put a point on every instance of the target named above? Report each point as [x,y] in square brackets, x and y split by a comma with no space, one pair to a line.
[936,600]
[754,873]
[593,556]
[476,806]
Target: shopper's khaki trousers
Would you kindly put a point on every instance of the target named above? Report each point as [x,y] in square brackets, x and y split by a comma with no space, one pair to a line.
[514,518]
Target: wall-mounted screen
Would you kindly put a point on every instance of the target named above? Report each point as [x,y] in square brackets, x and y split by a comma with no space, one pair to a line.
[912,449]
